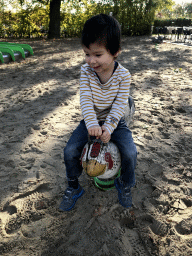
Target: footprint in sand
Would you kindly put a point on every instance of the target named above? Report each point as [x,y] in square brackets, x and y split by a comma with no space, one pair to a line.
[130,239]
[184,227]
[31,148]
[135,245]
[157,227]
[23,209]
[35,229]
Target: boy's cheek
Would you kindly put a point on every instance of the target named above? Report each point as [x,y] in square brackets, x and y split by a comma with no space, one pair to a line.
[88,59]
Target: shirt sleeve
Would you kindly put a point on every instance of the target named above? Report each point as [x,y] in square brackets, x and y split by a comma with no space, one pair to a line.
[118,107]
[86,100]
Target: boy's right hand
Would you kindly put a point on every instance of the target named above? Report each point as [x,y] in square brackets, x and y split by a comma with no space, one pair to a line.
[95,131]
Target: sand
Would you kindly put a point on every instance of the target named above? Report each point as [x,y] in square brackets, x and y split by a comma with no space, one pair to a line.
[39,109]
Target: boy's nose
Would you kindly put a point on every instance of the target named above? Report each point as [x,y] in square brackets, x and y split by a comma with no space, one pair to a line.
[92,60]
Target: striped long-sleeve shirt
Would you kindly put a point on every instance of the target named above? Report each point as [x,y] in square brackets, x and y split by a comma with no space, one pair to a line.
[104,102]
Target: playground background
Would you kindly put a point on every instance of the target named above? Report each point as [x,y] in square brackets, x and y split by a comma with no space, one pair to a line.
[39,109]
[54,19]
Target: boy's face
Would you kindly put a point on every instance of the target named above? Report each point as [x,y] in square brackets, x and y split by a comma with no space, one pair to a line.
[99,58]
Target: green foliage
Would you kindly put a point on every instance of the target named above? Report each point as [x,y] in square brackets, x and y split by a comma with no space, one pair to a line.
[24,23]
[135,16]
[174,22]
[183,10]
[161,4]
[179,11]
[188,10]
[74,15]
[1,5]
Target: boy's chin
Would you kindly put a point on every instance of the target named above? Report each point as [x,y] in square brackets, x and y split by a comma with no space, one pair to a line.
[97,69]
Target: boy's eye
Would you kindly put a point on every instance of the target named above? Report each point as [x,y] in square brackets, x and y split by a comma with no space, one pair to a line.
[98,55]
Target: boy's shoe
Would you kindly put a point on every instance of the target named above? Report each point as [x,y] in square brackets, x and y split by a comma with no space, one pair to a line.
[70,197]
[124,193]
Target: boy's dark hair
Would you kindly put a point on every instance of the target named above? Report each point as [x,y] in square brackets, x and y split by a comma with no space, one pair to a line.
[102,29]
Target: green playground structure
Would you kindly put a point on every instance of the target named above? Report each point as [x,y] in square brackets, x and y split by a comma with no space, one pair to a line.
[104,184]
[14,51]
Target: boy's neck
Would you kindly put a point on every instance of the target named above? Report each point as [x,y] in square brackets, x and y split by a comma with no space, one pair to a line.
[105,76]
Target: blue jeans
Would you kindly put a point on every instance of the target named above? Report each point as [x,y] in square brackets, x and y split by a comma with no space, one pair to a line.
[121,136]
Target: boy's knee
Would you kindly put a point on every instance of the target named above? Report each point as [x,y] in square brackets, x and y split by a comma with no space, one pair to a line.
[68,152]
[131,154]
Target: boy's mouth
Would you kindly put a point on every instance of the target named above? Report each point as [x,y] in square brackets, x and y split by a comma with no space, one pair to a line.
[96,67]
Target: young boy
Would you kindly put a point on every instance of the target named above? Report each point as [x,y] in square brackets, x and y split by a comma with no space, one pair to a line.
[104,91]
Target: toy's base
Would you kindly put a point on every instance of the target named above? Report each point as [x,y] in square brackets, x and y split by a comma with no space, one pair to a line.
[106,184]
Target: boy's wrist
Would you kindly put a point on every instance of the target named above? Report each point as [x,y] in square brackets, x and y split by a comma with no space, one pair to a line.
[91,124]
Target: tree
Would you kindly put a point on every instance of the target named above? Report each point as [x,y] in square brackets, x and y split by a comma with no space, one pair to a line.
[135,16]
[54,14]
[54,22]
[1,5]
[188,10]
[179,11]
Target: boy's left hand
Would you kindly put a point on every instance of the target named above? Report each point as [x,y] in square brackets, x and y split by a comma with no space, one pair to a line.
[106,136]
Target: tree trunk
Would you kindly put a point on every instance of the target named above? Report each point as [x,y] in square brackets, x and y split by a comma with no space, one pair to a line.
[54,16]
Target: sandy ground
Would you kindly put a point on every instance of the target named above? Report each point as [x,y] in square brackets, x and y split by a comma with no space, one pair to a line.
[39,109]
